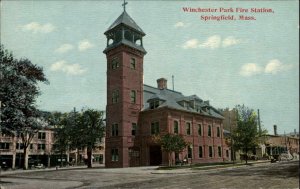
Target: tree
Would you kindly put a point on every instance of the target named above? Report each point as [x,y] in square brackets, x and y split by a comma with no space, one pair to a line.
[80,129]
[60,121]
[245,136]
[171,143]
[18,92]
[91,127]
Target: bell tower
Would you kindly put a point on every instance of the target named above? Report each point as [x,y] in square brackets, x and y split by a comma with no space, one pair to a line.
[124,53]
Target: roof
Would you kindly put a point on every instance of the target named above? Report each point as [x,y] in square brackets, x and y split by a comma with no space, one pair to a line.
[125,42]
[125,19]
[176,100]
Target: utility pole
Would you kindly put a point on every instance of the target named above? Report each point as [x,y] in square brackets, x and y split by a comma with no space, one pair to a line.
[258,120]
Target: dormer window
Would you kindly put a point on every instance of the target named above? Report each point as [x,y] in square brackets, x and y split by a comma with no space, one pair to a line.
[154,104]
[198,108]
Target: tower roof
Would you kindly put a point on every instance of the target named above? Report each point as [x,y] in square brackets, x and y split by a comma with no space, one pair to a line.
[126,20]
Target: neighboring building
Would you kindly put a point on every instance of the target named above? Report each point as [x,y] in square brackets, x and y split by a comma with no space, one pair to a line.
[41,151]
[135,112]
[230,118]
[277,144]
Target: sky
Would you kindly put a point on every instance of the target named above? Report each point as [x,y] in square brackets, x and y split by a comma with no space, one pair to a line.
[228,62]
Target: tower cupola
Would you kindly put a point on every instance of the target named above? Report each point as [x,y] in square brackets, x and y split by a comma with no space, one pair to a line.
[124,31]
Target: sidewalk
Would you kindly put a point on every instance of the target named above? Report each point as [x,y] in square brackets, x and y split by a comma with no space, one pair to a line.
[17,171]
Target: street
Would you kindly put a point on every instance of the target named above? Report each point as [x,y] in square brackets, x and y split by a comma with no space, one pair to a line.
[264,175]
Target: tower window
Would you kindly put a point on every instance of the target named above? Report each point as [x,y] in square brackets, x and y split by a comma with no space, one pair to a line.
[218,131]
[176,129]
[154,128]
[115,130]
[133,129]
[132,63]
[115,96]
[133,96]
[115,63]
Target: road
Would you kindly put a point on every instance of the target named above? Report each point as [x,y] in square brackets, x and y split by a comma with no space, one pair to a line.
[266,175]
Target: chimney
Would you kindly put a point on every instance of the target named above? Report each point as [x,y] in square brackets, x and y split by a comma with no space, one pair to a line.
[162,83]
[275,130]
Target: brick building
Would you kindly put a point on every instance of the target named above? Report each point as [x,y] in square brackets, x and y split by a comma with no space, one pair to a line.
[135,111]
[41,151]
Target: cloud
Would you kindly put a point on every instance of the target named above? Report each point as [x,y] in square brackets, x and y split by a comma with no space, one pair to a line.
[250,69]
[191,44]
[274,66]
[212,42]
[181,25]
[70,69]
[84,45]
[36,27]
[229,41]
[64,48]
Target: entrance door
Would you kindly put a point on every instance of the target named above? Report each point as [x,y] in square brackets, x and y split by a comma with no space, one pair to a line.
[155,155]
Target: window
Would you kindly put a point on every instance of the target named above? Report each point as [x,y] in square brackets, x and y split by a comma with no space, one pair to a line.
[227,153]
[188,128]
[115,63]
[133,129]
[114,154]
[218,131]
[210,151]
[209,131]
[41,146]
[133,153]
[41,135]
[115,96]
[189,152]
[19,146]
[115,129]
[199,129]
[219,151]
[4,145]
[132,63]
[133,96]
[176,129]
[31,146]
[154,104]
[154,128]
[200,152]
